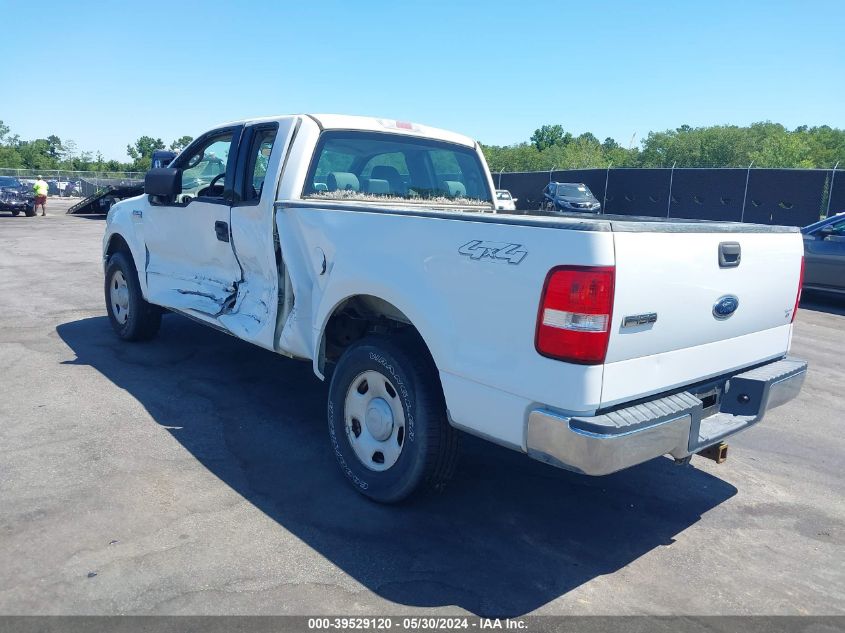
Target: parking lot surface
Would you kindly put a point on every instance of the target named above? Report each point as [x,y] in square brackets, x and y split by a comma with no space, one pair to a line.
[193,475]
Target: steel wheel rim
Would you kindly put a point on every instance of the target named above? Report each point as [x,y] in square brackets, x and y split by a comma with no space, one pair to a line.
[374,420]
[119,297]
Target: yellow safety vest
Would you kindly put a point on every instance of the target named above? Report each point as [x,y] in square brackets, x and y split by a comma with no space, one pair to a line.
[41,188]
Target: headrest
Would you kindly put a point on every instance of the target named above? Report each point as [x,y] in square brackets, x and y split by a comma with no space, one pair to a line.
[343,180]
[320,186]
[454,188]
[385,172]
[376,185]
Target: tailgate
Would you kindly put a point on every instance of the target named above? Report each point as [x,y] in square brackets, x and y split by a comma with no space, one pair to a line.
[677,278]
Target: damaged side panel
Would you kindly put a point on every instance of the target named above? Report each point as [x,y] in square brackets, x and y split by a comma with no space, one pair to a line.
[188,267]
[199,293]
[261,290]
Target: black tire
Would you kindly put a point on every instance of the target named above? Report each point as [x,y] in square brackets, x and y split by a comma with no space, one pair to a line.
[429,450]
[16,212]
[30,212]
[144,319]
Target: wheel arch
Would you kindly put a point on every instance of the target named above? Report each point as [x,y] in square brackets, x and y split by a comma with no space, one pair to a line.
[117,242]
[358,315]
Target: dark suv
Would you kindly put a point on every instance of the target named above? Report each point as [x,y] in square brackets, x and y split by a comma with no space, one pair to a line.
[569,197]
[16,197]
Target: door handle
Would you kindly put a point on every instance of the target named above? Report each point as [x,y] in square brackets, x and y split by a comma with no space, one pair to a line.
[730,254]
[222,231]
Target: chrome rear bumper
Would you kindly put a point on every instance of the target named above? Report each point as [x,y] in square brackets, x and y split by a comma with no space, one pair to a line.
[678,425]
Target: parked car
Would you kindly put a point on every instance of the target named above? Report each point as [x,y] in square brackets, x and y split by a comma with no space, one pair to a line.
[569,197]
[824,255]
[16,196]
[69,188]
[589,343]
[504,200]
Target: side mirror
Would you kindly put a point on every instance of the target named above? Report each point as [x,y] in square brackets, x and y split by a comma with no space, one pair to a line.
[163,181]
[825,232]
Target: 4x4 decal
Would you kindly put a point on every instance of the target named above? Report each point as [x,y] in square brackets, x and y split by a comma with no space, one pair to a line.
[497,251]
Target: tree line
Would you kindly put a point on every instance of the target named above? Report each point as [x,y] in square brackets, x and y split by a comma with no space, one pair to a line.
[52,153]
[767,144]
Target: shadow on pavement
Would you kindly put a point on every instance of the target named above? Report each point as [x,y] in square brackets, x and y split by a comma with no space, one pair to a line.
[508,536]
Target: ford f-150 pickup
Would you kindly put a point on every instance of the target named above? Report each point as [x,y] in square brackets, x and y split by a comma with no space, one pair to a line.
[371,248]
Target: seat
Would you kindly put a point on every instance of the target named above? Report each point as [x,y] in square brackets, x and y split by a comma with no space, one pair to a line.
[454,188]
[391,175]
[343,180]
[378,186]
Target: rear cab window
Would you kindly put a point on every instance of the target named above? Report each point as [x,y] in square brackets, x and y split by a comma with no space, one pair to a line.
[383,167]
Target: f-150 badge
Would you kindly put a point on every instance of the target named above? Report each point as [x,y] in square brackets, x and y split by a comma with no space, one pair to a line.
[497,251]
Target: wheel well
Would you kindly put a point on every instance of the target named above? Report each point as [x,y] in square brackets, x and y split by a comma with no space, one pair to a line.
[362,315]
[117,245]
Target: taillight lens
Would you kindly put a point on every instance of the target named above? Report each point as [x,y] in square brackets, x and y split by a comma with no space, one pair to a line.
[576,308]
[800,286]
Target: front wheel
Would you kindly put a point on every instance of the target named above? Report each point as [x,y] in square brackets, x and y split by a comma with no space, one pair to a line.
[16,212]
[131,317]
[30,212]
[387,420]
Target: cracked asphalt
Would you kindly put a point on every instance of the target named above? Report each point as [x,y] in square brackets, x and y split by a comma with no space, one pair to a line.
[192,475]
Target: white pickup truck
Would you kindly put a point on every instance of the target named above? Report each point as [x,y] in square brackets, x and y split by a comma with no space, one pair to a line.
[371,248]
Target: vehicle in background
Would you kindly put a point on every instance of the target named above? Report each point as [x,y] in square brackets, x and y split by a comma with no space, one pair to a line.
[162,158]
[504,200]
[824,255]
[68,188]
[16,196]
[568,197]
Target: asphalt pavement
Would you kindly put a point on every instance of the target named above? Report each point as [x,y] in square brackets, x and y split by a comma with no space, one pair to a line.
[193,475]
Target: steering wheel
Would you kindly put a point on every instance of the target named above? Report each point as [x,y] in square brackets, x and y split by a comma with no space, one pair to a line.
[215,179]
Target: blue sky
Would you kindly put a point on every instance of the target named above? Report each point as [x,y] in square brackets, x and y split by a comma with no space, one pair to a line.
[104,74]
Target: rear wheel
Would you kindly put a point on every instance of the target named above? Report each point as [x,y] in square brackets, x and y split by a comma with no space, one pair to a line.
[387,420]
[30,212]
[131,317]
[16,212]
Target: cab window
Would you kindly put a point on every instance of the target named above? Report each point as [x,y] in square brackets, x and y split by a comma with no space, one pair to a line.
[357,165]
[204,168]
[259,159]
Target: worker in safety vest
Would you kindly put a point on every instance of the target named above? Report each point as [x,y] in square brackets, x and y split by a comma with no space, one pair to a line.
[40,188]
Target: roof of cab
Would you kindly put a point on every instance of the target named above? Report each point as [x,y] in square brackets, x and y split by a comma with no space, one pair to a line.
[371,124]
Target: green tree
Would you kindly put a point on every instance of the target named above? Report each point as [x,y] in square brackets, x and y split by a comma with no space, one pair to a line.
[181,143]
[55,148]
[549,136]
[141,152]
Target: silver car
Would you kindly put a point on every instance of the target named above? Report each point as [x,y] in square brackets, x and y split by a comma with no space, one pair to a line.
[824,255]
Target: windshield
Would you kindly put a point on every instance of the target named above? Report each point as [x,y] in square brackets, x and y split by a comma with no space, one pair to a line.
[815,225]
[503,195]
[354,165]
[574,191]
[8,181]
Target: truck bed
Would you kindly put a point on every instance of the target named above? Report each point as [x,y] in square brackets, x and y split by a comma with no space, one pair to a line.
[570,221]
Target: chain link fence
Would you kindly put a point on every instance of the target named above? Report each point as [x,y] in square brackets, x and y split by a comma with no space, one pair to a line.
[78,184]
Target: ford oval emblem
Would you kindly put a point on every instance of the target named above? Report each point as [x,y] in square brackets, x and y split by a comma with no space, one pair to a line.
[725,307]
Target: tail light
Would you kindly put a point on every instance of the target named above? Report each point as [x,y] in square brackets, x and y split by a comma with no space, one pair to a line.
[800,286]
[576,308]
